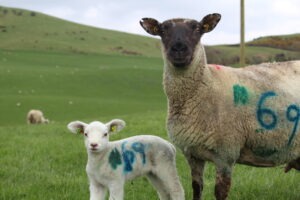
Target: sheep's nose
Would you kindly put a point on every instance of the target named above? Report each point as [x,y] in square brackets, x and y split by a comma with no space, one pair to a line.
[94,145]
[179,47]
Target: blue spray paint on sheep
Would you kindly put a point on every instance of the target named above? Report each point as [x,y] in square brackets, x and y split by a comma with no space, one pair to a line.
[266,116]
[240,95]
[292,115]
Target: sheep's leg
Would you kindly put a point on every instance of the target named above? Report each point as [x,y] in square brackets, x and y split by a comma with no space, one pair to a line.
[116,191]
[158,185]
[97,191]
[293,164]
[223,182]
[197,167]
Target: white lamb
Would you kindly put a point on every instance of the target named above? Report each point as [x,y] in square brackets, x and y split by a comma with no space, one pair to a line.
[110,164]
[36,117]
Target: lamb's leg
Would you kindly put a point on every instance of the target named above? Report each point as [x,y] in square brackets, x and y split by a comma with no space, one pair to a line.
[197,168]
[158,185]
[223,182]
[97,191]
[116,191]
[169,183]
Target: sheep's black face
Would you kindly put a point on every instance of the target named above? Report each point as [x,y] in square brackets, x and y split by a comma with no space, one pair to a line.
[180,36]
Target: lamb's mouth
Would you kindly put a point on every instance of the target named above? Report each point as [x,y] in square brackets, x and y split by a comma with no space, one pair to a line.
[94,149]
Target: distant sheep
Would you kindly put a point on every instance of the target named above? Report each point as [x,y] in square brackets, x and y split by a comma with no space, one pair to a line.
[110,164]
[225,115]
[36,117]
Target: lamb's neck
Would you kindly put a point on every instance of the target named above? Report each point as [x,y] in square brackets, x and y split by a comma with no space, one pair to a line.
[96,158]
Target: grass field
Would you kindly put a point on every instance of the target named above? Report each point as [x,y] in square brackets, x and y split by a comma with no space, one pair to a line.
[48,162]
[65,86]
[73,72]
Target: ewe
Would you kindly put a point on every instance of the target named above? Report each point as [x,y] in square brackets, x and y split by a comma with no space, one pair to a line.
[226,115]
[36,117]
[110,164]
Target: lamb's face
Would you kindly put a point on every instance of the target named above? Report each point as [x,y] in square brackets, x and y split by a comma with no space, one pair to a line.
[96,134]
[180,36]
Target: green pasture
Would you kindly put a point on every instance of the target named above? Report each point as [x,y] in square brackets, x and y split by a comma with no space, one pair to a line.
[48,162]
[23,30]
[71,86]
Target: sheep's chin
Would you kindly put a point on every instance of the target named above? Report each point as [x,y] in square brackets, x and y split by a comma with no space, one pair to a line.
[181,63]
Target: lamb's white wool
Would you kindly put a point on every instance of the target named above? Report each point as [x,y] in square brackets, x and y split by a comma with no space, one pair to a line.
[226,115]
[36,117]
[110,164]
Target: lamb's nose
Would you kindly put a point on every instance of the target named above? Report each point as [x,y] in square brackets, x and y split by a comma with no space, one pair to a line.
[179,47]
[94,145]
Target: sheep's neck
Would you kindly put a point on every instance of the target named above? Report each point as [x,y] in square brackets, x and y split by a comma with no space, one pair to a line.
[189,94]
[182,85]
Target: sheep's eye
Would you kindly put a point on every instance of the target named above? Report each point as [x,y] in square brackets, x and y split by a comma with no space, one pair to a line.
[195,27]
[85,134]
[164,29]
[105,135]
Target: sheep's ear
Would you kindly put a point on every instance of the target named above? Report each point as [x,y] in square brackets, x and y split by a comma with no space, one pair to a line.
[115,125]
[152,26]
[77,127]
[209,22]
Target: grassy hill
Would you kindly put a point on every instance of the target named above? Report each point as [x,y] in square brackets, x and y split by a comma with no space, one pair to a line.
[286,42]
[28,30]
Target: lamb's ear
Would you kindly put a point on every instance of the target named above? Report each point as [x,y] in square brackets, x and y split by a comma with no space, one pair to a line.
[77,127]
[115,125]
[152,26]
[209,22]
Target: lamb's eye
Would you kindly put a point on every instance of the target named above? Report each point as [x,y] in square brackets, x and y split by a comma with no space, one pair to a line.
[85,134]
[105,135]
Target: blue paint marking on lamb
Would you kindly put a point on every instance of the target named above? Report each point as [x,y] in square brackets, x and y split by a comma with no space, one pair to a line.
[128,157]
[128,153]
[140,148]
[114,158]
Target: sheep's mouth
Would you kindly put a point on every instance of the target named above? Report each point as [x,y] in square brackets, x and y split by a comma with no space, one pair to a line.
[180,61]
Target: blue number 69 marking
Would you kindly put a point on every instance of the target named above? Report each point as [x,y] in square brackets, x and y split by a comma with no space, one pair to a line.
[293,115]
[261,111]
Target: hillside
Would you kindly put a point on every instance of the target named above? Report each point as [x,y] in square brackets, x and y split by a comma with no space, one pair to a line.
[286,42]
[29,30]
